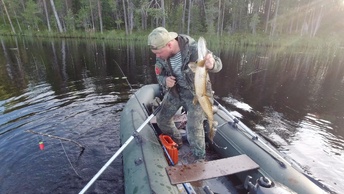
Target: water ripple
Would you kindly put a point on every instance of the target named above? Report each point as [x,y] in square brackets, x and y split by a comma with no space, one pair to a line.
[312,145]
[89,116]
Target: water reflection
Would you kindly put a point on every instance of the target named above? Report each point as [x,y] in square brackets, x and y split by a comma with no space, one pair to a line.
[287,89]
[75,89]
[318,150]
[62,88]
[84,115]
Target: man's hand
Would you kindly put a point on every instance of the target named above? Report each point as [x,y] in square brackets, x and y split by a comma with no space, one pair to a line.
[209,61]
[170,81]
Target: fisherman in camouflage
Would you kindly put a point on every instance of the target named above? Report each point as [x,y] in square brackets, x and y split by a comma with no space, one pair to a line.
[173,54]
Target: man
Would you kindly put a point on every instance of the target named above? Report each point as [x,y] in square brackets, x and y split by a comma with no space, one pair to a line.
[173,54]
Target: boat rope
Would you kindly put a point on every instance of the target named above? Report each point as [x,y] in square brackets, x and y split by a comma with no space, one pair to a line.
[64,150]
[220,147]
[138,137]
[142,136]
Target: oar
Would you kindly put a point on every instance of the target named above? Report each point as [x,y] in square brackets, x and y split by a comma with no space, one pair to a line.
[254,136]
[119,151]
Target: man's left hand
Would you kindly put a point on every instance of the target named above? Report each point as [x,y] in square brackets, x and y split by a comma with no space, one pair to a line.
[209,61]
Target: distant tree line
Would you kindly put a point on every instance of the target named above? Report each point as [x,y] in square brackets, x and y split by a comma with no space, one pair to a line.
[218,17]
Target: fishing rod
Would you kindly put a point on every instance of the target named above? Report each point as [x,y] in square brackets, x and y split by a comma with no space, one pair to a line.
[119,151]
[126,143]
[282,161]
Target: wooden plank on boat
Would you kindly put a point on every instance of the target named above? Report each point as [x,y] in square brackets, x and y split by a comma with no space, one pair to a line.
[210,169]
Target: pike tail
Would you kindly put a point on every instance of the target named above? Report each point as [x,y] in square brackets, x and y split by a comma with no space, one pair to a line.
[212,130]
[202,48]
[212,135]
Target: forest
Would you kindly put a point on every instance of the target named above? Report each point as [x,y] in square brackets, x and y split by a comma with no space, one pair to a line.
[272,18]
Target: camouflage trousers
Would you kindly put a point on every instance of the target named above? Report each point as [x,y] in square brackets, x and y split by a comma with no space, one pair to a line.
[195,116]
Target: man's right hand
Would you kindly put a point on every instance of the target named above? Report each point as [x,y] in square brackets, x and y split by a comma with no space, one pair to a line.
[170,81]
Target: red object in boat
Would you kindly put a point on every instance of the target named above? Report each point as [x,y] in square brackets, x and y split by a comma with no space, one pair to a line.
[41,145]
[170,146]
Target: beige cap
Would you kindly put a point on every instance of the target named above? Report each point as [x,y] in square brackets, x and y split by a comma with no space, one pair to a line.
[159,37]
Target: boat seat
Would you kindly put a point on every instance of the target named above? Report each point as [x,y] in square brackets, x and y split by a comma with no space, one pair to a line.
[210,169]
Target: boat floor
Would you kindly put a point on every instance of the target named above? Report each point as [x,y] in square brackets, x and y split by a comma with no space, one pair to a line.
[221,184]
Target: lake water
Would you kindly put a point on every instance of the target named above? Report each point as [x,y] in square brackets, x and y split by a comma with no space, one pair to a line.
[74,89]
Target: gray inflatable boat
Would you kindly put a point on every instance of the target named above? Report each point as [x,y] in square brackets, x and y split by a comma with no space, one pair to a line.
[243,161]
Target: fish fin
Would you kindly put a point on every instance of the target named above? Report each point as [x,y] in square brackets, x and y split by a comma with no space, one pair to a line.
[215,109]
[201,63]
[202,48]
[215,124]
[193,66]
[207,95]
[195,100]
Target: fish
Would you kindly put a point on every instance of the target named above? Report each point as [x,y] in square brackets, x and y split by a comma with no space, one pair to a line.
[200,83]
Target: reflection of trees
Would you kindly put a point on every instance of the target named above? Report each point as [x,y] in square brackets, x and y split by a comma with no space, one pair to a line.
[288,79]
[65,63]
[13,74]
[6,73]
[7,60]
[330,92]
[148,75]
[229,73]
[138,68]
[299,76]
[292,80]
[131,62]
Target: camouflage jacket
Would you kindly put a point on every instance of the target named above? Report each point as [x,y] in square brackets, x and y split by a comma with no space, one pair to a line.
[188,49]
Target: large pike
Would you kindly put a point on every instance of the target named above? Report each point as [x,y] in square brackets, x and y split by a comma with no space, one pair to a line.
[201,79]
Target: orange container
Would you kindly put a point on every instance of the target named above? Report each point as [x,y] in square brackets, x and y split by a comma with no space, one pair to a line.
[170,146]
